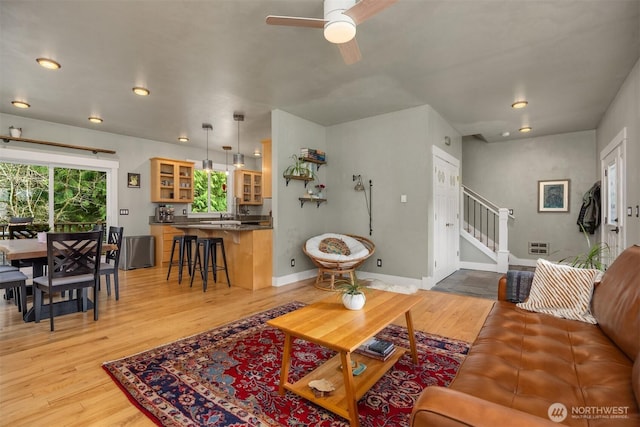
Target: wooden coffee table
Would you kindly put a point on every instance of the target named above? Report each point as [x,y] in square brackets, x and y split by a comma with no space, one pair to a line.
[330,325]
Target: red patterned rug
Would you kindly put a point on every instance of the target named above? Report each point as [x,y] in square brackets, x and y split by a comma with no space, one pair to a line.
[229,376]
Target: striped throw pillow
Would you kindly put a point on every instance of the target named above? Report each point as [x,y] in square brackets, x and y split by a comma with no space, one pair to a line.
[561,291]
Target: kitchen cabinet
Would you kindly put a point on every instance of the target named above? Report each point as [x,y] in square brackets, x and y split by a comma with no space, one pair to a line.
[163,238]
[266,169]
[171,181]
[248,187]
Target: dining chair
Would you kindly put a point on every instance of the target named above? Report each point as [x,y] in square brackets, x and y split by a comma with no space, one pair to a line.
[73,264]
[106,268]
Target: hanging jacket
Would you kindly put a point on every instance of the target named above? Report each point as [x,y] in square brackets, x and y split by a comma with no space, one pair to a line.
[589,217]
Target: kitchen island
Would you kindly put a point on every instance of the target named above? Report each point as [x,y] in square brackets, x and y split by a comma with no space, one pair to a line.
[248,248]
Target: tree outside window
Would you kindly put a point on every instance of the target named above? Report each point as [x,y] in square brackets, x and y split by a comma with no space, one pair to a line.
[211,192]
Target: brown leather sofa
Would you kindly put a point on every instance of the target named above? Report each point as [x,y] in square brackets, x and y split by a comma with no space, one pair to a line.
[522,363]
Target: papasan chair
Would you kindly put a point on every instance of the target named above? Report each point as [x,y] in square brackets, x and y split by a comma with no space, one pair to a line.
[337,255]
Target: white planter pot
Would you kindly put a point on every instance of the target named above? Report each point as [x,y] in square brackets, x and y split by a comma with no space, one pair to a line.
[353,302]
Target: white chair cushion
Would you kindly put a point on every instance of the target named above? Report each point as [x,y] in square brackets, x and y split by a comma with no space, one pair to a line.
[358,250]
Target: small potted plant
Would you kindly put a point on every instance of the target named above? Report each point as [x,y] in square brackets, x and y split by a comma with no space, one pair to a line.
[352,292]
[298,168]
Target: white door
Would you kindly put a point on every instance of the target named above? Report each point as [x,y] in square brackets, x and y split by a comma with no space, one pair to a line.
[446,194]
[613,194]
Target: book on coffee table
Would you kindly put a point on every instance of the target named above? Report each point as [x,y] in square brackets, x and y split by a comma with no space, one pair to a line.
[377,349]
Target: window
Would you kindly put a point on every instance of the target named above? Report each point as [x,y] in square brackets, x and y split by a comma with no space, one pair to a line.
[213,191]
[65,191]
[75,198]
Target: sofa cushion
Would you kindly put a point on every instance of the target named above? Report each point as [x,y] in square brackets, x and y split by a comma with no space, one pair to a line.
[528,361]
[561,291]
[616,301]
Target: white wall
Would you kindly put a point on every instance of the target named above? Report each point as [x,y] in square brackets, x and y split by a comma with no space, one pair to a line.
[623,112]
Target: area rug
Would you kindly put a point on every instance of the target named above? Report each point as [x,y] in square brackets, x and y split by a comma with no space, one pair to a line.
[229,376]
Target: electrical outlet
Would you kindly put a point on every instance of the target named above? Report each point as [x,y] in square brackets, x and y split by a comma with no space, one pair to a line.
[124,211]
[379,262]
[293,262]
[184,211]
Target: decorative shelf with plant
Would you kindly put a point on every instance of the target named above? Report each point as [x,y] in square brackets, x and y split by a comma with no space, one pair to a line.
[299,170]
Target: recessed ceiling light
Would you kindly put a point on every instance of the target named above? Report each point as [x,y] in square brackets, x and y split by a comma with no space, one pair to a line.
[525,129]
[505,134]
[49,64]
[95,119]
[519,104]
[142,91]
[20,104]
[183,139]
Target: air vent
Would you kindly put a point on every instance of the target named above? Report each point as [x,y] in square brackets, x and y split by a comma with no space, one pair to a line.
[538,248]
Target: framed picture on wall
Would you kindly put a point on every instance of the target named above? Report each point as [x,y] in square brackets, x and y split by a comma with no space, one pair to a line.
[553,196]
[133,180]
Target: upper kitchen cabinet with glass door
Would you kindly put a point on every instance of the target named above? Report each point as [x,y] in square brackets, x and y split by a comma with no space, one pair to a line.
[171,181]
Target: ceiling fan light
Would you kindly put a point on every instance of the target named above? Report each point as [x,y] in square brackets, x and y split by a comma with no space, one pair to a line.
[340,31]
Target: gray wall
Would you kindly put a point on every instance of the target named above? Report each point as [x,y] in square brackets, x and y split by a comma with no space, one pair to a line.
[394,152]
[507,173]
[624,111]
[293,224]
[133,154]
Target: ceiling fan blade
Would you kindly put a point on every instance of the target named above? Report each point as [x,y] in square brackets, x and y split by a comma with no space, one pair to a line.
[292,21]
[365,9]
[350,51]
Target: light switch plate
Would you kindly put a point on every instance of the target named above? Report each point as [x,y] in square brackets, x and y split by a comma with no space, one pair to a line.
[403,198]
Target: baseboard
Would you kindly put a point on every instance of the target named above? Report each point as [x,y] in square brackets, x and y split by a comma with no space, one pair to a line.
[395,280]
[479,266]
[294,277]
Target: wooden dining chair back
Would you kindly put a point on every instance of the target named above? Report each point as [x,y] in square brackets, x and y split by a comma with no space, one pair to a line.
[73,264]
[22,220]
[22,231]
[112,260]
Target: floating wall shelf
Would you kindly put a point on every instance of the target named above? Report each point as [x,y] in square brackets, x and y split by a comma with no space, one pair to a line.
[318,202]
[306,179]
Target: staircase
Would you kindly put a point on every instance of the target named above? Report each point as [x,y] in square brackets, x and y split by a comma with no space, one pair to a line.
[485,226]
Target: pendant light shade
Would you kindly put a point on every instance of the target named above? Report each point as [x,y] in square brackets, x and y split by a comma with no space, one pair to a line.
[238,159]
[207,164]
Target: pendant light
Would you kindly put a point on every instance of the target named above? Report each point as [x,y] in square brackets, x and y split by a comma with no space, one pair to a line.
[226,149]
[207,164]
[238,159]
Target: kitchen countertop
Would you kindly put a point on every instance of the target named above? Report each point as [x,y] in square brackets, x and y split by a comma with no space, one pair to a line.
[225,227]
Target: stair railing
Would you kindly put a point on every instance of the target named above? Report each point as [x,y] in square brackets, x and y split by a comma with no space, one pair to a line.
[487,223]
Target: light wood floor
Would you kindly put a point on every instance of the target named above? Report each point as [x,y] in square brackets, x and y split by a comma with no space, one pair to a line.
[55,378]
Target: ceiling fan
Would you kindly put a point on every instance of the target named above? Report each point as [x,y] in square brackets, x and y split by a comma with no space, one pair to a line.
[340,20]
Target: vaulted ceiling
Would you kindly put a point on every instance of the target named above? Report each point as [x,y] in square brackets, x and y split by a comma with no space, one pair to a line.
[204,60]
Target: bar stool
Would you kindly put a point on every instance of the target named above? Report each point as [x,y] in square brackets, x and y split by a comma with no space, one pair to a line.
[184,243]
[209,249]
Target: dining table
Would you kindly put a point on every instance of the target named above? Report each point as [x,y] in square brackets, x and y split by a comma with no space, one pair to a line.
[35,251]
